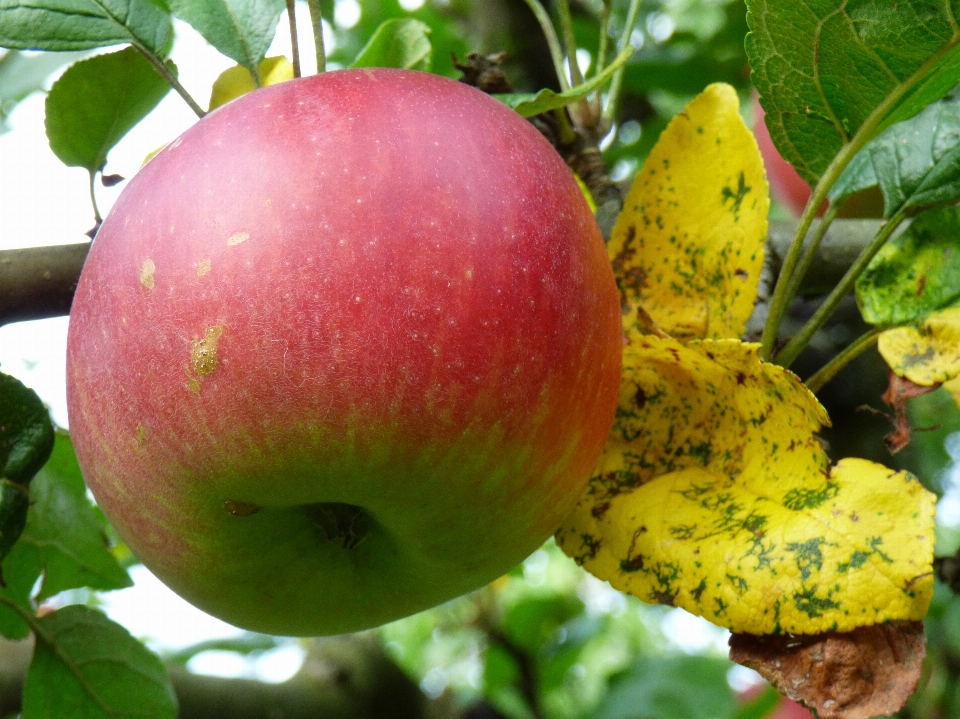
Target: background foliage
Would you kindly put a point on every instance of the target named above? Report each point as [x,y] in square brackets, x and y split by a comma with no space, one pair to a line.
[548,640]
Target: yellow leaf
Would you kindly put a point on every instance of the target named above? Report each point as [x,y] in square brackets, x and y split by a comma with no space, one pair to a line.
[688,245]
[927,355]
[713,494]
[953,387]
[238,80]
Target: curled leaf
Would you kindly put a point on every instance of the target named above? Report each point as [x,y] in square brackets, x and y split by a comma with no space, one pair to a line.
[688,245]
[398,42]
[529,105]
[868,672]
[899,390]
[713,494]
[26,440]
[928,354]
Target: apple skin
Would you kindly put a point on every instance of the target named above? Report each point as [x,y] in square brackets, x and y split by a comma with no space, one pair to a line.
[347,348]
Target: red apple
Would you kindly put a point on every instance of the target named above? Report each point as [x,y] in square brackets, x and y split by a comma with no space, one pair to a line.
[347,348]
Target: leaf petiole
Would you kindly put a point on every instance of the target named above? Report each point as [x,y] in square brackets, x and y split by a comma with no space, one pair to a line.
[789,353]
[93,197]
[826,373]
[569,41]
[613,98]
[810,252]
[294,42]
[553,42]
[604,37]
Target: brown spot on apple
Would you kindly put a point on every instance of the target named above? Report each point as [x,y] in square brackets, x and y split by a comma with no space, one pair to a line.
[237,237]
[203,267]
[147,270]
[141,436]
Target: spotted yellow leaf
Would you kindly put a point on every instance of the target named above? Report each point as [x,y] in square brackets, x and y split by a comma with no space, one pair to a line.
[928,354]
[713,494]
[237,80]
[953,387]
[688,245]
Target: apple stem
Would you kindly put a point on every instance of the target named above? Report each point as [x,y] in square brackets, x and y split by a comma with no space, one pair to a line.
[317,21]
[294,42]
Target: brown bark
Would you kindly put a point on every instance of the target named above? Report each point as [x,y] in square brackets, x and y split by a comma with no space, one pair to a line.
[38,282]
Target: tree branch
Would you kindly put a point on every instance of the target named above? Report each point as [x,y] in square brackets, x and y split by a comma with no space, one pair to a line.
[38,282]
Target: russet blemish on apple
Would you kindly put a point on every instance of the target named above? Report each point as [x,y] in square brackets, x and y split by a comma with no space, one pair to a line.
[237,237]
[147,271]
[203,267]
[203,352]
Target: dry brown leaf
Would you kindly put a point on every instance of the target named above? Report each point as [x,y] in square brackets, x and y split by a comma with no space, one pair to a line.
[868,672]
[898,392]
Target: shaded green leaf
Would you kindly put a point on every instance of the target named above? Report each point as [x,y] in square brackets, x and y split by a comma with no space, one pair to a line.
[240,29]
[824,67]
[22,74]
[672,687]
[534,621]
[916,273]
[857,176]
[65,530]
[529,105]
[26,440]
[21,569]
[84,24]
[760,706]
[96,102]
[86,666]
[26,433]
[401,42]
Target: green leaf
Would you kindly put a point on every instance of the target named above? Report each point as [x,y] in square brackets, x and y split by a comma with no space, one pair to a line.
[66,531]
[84,24]
[96,102]
[671,687]
[26,440]
[828,69]
[918,161]
[88,667]
[915,274]
[401,43]
[240,29]
[21,75]
[529,105]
